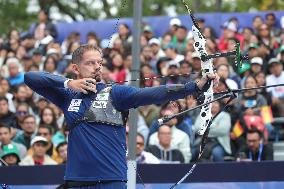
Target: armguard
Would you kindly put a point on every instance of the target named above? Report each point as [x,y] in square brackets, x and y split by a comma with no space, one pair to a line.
[175,87]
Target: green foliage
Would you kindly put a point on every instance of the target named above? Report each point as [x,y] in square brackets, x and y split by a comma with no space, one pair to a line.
[13,13]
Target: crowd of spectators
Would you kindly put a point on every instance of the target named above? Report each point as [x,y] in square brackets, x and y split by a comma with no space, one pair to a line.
[33,130]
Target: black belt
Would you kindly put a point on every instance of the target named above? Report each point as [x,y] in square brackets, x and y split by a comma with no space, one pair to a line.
[71,184]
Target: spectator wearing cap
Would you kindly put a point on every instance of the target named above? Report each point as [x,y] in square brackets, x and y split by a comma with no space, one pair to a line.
[173,71]
[148,32]
[229,31]
[252,50]
[196,62]
[173,25]
[39,157]
[29,127]
[61,149]
[158,53]
[46,131]
[256,65]
[179,39]
[171,52]
[10,154]
[6,139]
[16,76]
[276,77]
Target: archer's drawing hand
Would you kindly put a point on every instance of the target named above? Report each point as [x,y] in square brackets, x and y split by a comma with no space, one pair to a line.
[83,85]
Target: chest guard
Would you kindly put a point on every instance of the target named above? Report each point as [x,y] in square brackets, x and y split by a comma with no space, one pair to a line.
[102,110]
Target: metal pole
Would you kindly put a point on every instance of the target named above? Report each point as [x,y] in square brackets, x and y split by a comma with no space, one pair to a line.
[133,116]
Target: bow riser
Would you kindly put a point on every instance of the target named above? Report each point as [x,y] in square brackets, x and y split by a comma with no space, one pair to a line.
[207,67]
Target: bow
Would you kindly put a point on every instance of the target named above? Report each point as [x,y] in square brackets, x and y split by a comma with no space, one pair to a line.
[206,67]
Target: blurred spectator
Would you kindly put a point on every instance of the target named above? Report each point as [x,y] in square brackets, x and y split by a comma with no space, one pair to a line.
[5,86]
[256,23]
[157,52]
[276,77]
[61,149]
[43,27]
[10,154]
[180,140]
[223,71]
[21,111]
[260,80]
[93,39]
[174,24]
[266,38]
[7,117]
[196,62]
[124,34]
[148,32]
[50,65]
[15,76]
[229,31]
[39,157]
[256,150]
[150,113]
[141,155]
[6,139]
[29,127]
[172,73]
[48,117]
[45,131]
[218,142]
[270,20]
[179,39]
[163,151]
[172,53]
[185,70]
[256,65]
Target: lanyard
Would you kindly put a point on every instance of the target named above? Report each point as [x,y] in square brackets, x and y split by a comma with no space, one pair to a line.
[259,153]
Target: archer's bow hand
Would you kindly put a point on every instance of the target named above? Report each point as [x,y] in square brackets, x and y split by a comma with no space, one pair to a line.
[205,81]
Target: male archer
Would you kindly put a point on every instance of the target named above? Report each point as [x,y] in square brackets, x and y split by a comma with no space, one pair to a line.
[96,116]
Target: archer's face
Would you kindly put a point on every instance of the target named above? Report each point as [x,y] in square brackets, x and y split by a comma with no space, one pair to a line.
[90,66]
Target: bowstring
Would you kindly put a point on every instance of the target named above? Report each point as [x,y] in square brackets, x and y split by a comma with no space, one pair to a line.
[110,84]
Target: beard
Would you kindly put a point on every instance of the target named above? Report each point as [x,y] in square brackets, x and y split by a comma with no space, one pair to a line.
[98,78]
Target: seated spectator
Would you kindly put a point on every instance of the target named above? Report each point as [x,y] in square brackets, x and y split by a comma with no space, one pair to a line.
[48,117]
[276,77]
[61,149]
[10,154]
[163,151]
[224,71]
[29,127]
[50,65]
[16,76]
[39,156]
[172,53]
[196,62]
[4,83]
[6,139]
[46,132]
[256,65]
[270,20]
[180,39]
[157,52]
[6,117]
[218,142]
[180,140]
[141,155]
[256,150]
[172,73]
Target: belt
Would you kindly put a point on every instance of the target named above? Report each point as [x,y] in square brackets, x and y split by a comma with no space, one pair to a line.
[71,184]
